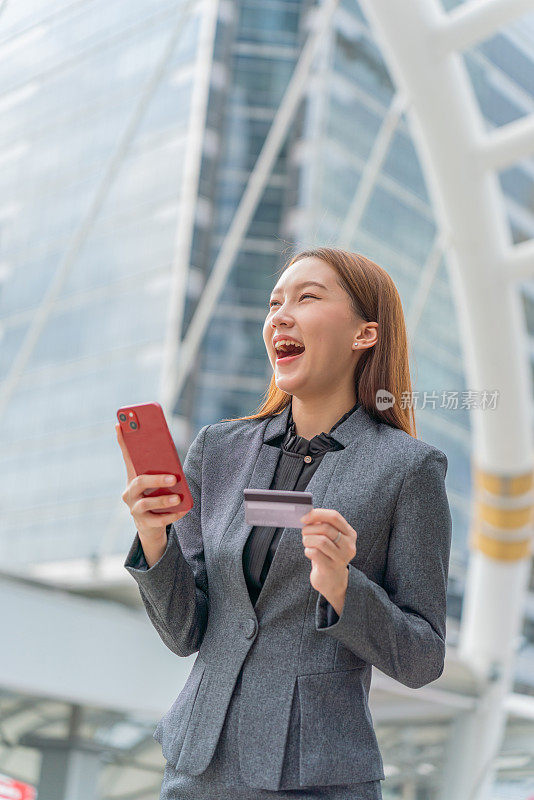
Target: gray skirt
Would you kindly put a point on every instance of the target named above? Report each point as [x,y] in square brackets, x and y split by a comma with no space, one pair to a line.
[222,779]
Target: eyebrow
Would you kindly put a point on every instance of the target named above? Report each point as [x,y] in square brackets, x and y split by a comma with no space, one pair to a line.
[302,284]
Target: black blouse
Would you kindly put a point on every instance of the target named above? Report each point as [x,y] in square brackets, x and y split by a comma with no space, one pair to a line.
[299,458]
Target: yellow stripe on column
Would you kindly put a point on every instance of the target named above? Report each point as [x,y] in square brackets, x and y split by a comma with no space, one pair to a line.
[507,485]
[500,550]
[507,518]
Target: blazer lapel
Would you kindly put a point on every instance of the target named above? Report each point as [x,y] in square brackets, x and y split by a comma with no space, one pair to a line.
[236,534]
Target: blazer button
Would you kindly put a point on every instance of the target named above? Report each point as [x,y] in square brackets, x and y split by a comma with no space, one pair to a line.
[251,626]
[307,459]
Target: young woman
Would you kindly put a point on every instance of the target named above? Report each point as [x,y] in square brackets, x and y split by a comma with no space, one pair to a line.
[288,622]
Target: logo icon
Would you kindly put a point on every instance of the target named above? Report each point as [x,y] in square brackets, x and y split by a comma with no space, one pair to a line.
[384,399]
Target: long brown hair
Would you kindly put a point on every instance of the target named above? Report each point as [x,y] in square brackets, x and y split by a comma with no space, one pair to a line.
[374,297]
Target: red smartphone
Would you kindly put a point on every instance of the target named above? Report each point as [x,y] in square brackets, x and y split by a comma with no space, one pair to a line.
[151,448]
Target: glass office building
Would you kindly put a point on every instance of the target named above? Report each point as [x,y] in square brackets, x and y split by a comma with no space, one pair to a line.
[128,136]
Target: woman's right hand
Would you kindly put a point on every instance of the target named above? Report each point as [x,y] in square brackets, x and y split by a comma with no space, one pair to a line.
[151,527]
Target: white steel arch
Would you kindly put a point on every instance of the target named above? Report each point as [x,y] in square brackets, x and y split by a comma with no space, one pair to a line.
[420,42]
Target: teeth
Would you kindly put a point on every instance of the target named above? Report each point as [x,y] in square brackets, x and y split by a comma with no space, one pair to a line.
[284,342]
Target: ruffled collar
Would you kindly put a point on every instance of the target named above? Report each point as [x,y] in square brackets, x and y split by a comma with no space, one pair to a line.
[320,443]
[298,444]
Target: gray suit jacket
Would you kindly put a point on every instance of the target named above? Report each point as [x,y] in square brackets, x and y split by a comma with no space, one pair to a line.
[390,487]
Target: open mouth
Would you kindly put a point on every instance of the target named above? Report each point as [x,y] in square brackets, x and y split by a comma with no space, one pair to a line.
[289,355]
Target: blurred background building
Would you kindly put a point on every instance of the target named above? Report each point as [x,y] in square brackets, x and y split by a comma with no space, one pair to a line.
[130,182]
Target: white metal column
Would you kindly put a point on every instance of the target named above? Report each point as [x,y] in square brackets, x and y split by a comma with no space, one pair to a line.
[420,43]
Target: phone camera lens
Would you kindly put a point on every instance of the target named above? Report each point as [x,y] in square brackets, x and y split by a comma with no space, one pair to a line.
[133,425]
[122,417]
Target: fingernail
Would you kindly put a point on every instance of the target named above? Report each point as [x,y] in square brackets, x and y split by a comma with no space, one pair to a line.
[169,479]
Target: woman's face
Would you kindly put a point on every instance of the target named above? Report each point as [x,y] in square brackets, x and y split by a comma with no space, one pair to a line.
[321,318]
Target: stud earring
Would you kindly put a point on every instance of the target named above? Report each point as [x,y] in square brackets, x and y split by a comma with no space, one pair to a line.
[355,344]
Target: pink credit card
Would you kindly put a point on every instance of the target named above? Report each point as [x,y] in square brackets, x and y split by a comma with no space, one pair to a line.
[276,508]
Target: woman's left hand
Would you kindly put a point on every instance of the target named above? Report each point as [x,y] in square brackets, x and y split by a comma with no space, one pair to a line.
[329,574]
